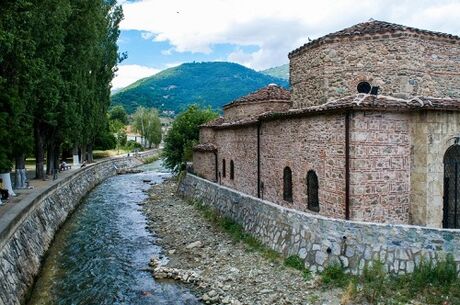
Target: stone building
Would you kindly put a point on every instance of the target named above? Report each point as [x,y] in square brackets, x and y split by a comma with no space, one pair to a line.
[369,131]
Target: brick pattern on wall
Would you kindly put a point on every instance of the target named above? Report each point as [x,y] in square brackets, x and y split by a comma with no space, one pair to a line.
[380,149]
[310,143]
[204,165]
[239,145]
[207,135]
[402,66]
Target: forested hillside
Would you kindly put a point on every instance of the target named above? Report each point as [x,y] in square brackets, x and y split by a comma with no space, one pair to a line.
[280,72]
[208,83]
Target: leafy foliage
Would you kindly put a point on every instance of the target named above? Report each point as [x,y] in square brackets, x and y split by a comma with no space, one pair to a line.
[429,283]
[118,113]
[57,60]
[184,134]
[206,84]
[147,123]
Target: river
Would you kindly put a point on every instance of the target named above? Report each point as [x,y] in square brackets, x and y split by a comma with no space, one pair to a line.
[101,254]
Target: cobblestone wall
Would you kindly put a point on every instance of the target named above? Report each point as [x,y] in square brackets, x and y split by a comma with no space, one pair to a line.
[24,243]
[401,64]
[320,241]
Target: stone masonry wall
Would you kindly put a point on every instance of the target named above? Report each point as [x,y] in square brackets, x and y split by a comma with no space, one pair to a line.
[320,241]
[309,143]
[207,135]
[402,65]
[239,145]
[380,148]
[25,241]
[252,109]
[204,164]
[432,134]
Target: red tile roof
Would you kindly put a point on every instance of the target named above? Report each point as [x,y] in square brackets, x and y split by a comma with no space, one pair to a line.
[371,27]
[356,102]
[205,147]
[272,92]
[363,101]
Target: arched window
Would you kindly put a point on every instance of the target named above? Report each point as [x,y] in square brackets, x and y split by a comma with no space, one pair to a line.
[287,182]
[232,170]
[312,191]
[224,169]
[451,206]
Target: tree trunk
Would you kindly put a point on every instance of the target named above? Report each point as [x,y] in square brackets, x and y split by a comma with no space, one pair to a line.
[6,177]
[52,156]
[83,152]
[76,160]
[56,156]
[49,159]
[90,153]
[21,175]
[39,152]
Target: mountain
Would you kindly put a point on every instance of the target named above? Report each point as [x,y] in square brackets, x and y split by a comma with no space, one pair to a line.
[280,72]
[208,83]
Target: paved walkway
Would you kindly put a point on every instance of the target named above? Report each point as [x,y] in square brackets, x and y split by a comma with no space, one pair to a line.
[37,186]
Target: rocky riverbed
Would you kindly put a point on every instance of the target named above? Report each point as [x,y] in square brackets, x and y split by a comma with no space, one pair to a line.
[218,269]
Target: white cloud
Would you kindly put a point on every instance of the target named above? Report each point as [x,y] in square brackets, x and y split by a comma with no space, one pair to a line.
[173,64]
[275,27]
[128,74]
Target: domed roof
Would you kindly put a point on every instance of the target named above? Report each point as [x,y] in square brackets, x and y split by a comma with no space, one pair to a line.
[371,27]
[272,92]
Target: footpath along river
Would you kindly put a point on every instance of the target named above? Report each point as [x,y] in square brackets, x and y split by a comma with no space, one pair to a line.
[101,254]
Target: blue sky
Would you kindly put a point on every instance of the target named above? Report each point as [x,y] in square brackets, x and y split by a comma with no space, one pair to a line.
[259,34]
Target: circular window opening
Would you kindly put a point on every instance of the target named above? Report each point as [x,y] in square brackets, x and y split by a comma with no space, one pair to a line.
[364,87]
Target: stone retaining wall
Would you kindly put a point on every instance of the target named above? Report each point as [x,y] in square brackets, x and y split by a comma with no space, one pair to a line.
[26,238]
[319,240]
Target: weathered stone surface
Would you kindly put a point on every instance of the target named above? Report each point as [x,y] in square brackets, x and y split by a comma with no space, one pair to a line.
[399,247]
[401,65]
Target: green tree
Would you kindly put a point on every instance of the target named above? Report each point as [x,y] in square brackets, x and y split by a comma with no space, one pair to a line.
[184,134]
[119,113]
[117,128]
[147,123]
[55,75]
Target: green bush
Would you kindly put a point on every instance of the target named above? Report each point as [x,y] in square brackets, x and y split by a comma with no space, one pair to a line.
[294,261]
[334,275]
[131,144]
[373,281]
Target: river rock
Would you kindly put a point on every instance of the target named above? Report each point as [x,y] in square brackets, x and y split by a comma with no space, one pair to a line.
[216,263]
[196,244]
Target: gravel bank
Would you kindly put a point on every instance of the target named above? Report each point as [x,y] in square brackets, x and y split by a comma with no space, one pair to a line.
[218,269]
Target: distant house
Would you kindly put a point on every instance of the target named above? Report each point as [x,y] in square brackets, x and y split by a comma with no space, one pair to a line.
[370,130]
[131,135]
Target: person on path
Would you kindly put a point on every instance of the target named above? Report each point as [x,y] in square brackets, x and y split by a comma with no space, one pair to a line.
[3,192]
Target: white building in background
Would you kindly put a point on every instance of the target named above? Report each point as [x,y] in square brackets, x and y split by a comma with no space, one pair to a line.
[131,135]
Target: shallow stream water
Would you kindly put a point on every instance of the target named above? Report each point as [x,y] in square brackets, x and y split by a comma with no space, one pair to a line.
[101,254]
